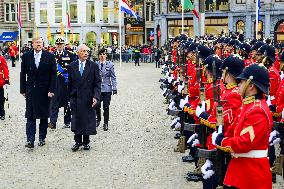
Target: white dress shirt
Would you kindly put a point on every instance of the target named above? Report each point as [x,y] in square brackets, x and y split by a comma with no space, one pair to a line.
[80,64]
[37,57]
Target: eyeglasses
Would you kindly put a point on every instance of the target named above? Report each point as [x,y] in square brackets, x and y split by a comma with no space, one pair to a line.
[103,54]
[258,54]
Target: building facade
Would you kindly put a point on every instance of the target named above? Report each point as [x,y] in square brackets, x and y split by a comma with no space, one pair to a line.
[9,18]
[221,16]
[92,21]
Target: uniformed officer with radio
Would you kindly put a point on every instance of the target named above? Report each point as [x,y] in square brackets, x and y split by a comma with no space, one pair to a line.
[61,99]
[109,86]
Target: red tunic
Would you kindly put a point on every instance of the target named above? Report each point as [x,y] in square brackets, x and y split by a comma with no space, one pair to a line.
[251,133]
[4,72]
[275,79]
[279,98]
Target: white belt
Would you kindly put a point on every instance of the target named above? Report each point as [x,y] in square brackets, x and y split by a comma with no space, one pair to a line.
[252,154]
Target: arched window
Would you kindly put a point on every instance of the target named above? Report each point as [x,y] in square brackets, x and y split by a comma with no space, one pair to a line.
[279,31]
[260,29]
[240,26]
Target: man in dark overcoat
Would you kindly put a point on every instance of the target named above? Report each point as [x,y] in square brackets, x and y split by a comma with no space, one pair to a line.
[61,97]
[37,85]
[85,92]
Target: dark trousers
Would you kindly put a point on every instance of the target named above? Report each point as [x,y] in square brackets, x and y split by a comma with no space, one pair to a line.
[136,61]
[13,58]
[2,101]
[54,114]
[158,63]
[78,139]
[31,129]
[105,99]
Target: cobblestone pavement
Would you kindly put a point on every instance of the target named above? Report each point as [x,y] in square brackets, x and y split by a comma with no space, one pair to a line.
[136,152]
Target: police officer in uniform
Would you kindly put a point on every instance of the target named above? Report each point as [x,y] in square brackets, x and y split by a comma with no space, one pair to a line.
[109,86]
[61,99]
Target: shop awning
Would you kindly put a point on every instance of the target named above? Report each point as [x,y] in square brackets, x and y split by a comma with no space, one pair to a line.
[8,36]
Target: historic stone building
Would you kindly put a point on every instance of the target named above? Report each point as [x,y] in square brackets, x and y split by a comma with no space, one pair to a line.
[9,18]
[220,16]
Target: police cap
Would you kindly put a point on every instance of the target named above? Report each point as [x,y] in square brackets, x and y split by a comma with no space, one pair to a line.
[258,75]
[59,41]
[270,50]
[234,64]
[209,64]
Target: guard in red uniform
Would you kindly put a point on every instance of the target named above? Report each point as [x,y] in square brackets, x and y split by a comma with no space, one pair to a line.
[268,61]
[245,53]
[230,98]
[4,79]
[249,166]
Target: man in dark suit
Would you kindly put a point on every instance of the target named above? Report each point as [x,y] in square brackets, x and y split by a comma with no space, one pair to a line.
[61,97]
[85,91]
[37,85]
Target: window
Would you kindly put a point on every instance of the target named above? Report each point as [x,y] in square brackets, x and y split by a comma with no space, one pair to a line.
[58,11]
[150,11]
[43,13]
[73,12]
[241,1]
[11,12]
[240,26]
[116,9]
[90,12]
[105,11]
[148,6]
[279,0]
[29,8]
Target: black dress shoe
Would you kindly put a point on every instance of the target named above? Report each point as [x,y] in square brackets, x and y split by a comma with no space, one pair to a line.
[41,143]
[86,146]
[76,147]
[188,158]
[194,177]
[105,126]
[52,125]
[29,145]
[2,117]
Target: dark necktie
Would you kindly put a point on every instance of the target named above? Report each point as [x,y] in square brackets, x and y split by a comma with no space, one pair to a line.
[102,64]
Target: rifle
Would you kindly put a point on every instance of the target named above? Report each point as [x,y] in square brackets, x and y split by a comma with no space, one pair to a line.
[201,130]
[278,164]
[181,147]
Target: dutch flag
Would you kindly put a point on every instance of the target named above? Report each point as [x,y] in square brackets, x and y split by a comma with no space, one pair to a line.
[126,8]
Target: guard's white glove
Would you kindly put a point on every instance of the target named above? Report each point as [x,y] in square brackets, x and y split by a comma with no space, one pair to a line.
[174,122]
[177,126]
[282,75]
[215,134]
[283,113]
[207,169]
[180,88]
[274,138]
[183,102]
[268,101]
[172,105]
[200,109]
[193,140]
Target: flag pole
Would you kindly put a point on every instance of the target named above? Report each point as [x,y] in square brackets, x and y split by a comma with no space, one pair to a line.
[120,34]
[19,33]
[66,32]
[256,19]
[182,16]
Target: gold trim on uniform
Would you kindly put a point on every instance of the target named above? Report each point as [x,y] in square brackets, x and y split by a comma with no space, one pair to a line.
[210,80]
[231,86]
[207,123]
[249,130]
[248,99]
[227,149]
[276,114]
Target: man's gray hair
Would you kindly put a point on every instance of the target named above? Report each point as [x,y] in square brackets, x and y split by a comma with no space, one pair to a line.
[81,46]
